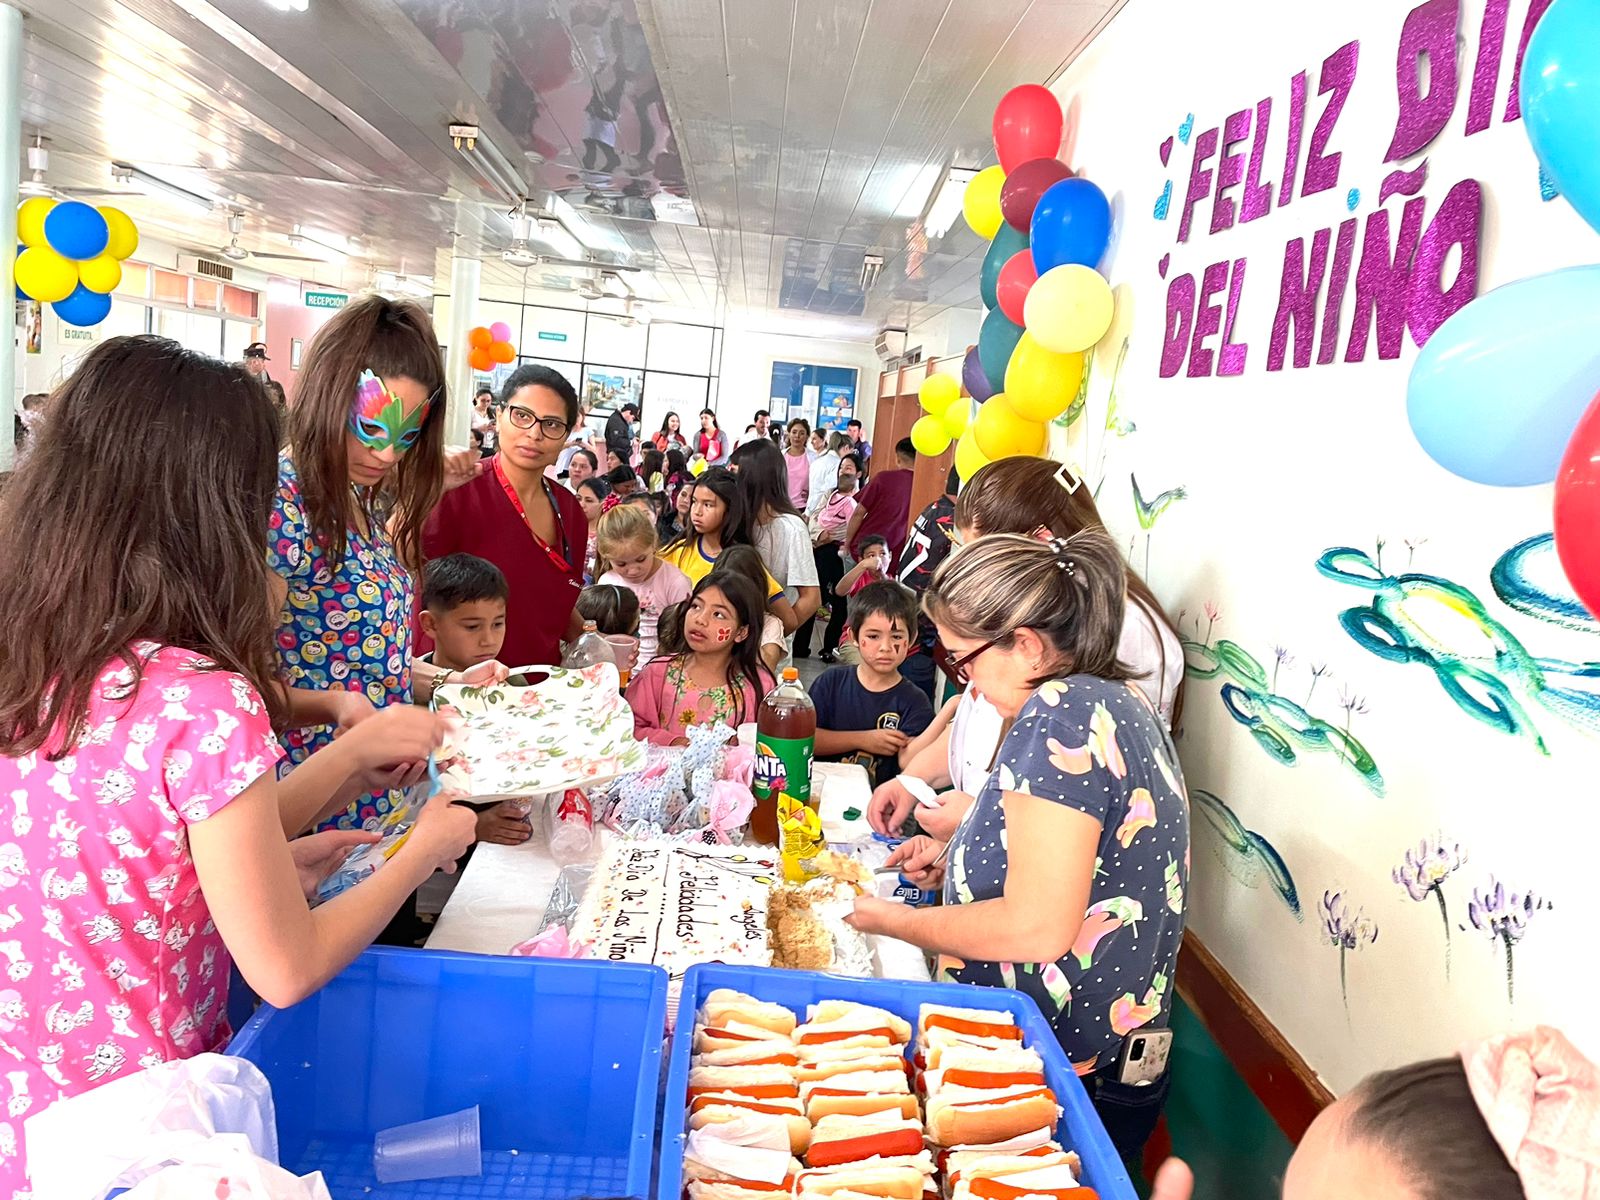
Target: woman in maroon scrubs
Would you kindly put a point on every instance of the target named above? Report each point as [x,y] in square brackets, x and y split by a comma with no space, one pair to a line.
[527,525]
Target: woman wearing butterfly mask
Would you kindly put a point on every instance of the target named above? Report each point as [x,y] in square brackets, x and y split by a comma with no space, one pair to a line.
[364,466]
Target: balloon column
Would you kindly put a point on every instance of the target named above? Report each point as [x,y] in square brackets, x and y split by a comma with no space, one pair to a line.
[490,344]
[1047,303]
[71,256]
[1507,391]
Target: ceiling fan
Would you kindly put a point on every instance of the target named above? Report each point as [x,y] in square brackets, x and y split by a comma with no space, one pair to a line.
[36,185]
[237,253]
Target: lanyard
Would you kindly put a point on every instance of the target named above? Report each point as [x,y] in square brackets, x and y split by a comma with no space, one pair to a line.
[561,561]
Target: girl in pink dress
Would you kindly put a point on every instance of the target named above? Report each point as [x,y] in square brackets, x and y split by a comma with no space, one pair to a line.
[143,832]
[720,677]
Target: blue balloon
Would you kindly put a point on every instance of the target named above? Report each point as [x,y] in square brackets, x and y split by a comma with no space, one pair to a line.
[21,295]
[1072,224]
[1007,242]
[1561,100]
[76,230]
[973,378]
[1498,389]
[997,338]
[83,307]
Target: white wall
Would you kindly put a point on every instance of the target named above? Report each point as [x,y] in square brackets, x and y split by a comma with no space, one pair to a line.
[948,332]
[749,350]
[1278,467]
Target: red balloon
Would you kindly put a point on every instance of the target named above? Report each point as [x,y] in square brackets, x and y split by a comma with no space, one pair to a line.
[1016,278]
[1027,124]
[1019,194]
[1577,509]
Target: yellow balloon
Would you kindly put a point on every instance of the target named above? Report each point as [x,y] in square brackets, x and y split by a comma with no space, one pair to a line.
[955,418]
[1000,432]
[100,274]
[1069,308]
[980,203]
[30,220]
[1040,383]
[45,276]
[124,239]
[929,437]
[937,393]
[969,459]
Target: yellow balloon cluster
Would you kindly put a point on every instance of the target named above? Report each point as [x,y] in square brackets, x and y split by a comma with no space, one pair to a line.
[71,255]
[947,415]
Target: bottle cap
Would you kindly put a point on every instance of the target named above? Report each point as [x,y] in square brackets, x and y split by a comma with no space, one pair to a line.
[589,627]
[790,674]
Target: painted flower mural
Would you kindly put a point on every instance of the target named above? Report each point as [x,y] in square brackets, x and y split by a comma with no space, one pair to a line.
[1423,873]
[1503,916]
[1349,928]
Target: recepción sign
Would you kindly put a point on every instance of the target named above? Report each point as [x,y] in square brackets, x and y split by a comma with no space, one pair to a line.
[546,335]
[326,299]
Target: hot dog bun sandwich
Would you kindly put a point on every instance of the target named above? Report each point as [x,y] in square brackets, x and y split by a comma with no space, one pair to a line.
[775,1053]
[709,1183]
[1008,1178]
[859,1094]
[733,1035]
[899,1179]
[860,1058]
[986,1160]
[841,1138]
[842,1023]
[961,1116]
[726,1005]
[753,1083]
[981,1067]
[939,1026]
[719,1109]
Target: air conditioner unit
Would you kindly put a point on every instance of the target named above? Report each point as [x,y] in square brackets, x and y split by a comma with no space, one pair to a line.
[192,264]
[891,340]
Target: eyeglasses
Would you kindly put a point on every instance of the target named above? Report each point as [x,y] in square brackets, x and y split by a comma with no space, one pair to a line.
[960,668]
[526,418]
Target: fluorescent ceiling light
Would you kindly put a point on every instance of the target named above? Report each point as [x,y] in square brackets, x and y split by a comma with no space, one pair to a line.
[946,204]
[327,239]
[555,235]
[419,286]
[122,172]
[298,6]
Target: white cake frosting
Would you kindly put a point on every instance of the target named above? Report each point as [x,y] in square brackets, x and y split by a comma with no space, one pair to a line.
[675,904]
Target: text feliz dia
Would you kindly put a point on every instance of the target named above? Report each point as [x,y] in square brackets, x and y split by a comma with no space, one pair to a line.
[1396,277]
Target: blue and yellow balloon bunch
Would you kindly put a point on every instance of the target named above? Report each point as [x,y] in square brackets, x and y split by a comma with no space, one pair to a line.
[71,256]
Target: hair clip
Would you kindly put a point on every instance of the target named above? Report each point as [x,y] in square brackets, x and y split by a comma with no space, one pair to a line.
[1063,553]
[1068,478]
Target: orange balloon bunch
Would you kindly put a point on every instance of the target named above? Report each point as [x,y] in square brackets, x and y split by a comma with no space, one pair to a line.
[490,344]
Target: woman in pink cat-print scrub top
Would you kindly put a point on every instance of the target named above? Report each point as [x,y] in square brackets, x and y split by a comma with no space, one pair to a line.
[143,832]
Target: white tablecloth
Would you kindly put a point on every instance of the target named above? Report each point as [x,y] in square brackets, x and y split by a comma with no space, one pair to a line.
[504,890]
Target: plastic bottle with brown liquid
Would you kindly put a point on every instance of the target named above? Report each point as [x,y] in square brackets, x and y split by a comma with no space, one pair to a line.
[786,735]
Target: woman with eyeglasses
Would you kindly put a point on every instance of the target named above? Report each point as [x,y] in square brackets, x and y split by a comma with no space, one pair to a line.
[364,466]
[513,515]
[1068,876]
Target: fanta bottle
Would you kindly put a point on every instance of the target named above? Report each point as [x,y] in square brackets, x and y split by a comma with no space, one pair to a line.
[786,735]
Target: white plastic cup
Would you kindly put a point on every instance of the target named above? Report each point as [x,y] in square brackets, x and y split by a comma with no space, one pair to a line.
[439,1148]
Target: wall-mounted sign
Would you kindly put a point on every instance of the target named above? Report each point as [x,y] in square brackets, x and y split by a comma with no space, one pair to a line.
[71,333]
[546,335]
[326,299]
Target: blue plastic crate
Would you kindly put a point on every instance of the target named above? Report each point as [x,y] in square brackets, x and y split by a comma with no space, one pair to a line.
[1080,1127]
[562,1058]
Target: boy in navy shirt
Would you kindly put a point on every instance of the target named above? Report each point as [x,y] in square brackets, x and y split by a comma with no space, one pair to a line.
[869,713]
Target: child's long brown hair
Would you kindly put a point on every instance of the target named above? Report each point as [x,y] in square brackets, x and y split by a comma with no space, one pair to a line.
[140,515]
[390,338]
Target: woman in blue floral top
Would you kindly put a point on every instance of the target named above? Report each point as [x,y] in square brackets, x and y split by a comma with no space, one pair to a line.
[1067,877]
[364,467]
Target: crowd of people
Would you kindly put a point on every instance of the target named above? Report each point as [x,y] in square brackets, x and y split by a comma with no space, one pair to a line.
[218,706]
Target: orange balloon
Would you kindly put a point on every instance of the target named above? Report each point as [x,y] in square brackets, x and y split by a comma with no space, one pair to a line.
[502,352]
[479,359]
[480,338]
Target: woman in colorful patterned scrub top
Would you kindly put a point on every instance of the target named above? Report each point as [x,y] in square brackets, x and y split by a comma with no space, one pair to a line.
[364,467]
[1066,878]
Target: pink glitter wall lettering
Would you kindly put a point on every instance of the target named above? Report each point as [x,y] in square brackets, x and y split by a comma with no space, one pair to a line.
[1401,263]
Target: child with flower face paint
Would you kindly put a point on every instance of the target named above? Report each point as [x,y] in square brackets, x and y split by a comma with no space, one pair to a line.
[719,677]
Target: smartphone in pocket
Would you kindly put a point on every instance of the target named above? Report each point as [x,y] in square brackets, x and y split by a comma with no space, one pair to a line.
[1144,1058]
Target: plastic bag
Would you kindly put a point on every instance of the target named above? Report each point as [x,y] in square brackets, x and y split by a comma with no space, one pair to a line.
[118,1134]
[394,826]
[224,1166]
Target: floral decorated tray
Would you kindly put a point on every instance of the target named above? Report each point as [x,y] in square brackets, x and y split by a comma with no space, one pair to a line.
[572,729]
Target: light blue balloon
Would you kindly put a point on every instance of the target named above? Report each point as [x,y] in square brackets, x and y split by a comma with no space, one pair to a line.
[1497,391]
[1561,101]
